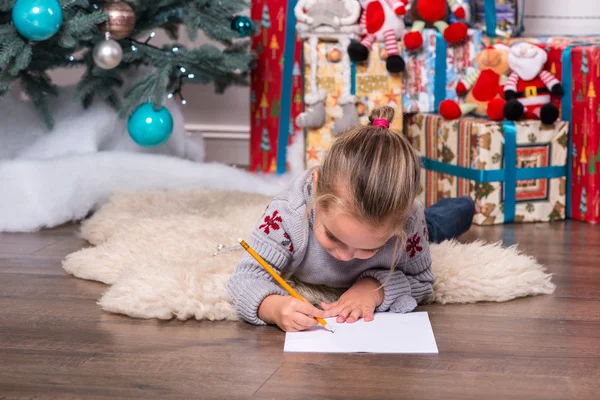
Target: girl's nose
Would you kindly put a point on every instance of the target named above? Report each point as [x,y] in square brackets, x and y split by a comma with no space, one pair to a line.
[346,254]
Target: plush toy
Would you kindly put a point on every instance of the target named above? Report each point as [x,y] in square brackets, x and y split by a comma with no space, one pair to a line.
[483,88]
[434,13]
[324,16]
[327,20]
[529,87]
[382,21]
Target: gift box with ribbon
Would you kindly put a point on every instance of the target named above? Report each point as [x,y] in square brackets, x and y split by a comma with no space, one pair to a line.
[433,72]
[370,83]
[577,61]
[276,86]
[515,172]
[498,18]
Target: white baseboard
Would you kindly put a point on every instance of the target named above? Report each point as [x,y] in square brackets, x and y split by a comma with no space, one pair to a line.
[229,144]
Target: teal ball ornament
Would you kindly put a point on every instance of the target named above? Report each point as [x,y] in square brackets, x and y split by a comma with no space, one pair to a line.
[149,127]
[37,19]
[242,25]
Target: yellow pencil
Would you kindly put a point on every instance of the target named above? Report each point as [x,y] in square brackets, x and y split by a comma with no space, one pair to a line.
[279,279]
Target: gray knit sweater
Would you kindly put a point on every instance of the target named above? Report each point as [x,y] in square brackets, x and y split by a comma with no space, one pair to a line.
[284,238]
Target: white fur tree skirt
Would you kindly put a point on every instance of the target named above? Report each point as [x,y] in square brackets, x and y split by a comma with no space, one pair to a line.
[156,251]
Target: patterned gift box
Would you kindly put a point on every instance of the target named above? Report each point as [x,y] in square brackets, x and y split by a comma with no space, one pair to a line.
[433,72]
[372,85]
[499,18]
[276,84]
[582,108]
[473,157]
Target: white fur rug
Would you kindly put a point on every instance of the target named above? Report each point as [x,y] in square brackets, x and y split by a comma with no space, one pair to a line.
[156,251]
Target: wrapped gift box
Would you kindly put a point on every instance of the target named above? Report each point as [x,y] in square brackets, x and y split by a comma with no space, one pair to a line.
[372,84]
[576,61]
[513,171]
[276,84]
[498,18]
[583,66]
[433,72]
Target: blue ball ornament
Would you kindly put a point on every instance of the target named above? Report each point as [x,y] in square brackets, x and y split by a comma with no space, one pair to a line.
[37,19]
[242,25]
[148,127]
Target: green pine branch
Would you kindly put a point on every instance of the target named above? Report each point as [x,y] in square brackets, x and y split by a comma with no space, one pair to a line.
[6,5]
[99,83]
[15,52]
[39,87]
[151,87]
[80,27]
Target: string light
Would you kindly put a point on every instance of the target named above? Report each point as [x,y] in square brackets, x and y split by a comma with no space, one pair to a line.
[175,49]
[170,95]
[183,101]
[71,58]
[182,70]
[152,34]
[134,48]
[191,76]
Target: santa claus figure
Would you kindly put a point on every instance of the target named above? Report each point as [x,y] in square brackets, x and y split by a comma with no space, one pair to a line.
[382,21]
[529,87]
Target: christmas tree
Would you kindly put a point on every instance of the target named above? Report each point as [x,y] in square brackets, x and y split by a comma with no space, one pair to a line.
[584,63]
[265,23]
[274,46]
[265,146]
[583,204]
[275,108]
[108,38]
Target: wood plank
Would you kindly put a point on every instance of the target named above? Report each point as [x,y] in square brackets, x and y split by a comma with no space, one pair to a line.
[55,342]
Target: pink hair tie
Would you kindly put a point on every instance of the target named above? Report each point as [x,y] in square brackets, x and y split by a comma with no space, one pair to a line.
[381,122]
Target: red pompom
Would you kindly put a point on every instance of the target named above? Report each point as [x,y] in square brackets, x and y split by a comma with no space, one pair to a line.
[456,32]
[413,40]
[495,109]
[450,110]
[400,10]
[460,13]
[461,88]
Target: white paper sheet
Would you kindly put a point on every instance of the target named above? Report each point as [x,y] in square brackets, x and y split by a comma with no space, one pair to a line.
[387,333]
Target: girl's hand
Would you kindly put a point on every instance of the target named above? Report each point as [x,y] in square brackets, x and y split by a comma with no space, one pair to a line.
[288,313]
[358,302]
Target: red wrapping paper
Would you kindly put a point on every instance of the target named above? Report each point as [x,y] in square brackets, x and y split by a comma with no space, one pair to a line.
[269,18]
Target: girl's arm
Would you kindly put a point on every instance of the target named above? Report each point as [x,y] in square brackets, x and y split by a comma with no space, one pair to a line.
[273,240]
[412,278]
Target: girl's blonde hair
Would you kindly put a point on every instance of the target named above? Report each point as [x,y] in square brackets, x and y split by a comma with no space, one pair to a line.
[373,173]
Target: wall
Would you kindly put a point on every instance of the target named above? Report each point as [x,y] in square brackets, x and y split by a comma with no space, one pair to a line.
[560,17]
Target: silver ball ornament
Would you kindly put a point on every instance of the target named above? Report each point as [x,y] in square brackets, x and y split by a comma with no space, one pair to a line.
[107,54]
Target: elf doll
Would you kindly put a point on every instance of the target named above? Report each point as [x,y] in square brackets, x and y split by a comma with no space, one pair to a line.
[382,21]
[529,87]
[434,13]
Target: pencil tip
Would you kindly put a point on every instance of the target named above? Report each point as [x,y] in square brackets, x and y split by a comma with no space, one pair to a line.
[240,240]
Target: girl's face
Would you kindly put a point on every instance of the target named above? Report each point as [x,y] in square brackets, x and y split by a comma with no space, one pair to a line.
[345,238]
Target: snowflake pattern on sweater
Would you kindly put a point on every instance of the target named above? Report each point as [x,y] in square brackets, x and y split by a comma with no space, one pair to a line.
[271,222]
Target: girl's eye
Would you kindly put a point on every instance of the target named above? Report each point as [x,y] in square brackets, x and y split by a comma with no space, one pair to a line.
[330,237]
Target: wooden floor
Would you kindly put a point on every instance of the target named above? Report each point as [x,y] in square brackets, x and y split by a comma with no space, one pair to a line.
[55,342]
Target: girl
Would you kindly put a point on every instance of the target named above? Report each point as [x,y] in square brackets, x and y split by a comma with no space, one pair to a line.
[351,223]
